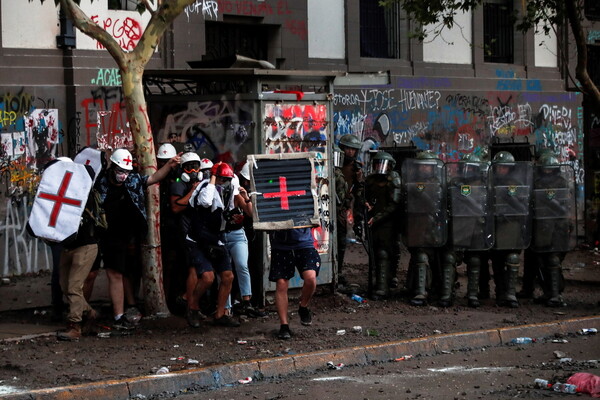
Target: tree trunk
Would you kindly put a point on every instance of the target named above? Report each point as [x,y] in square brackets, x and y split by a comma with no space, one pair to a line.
[154,295]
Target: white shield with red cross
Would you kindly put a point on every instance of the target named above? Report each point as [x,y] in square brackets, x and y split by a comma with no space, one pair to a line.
[60,201]
[91,157]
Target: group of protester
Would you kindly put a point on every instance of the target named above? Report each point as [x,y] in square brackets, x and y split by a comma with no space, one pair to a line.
[447,213]
[206,215]
[444,213]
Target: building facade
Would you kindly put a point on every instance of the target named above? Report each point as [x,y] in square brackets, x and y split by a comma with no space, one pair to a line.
[477,88]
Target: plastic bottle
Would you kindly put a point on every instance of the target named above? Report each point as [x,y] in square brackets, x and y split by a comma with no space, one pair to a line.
[588,331]
[358,299]
[522,340]
[542,384]
[564,387]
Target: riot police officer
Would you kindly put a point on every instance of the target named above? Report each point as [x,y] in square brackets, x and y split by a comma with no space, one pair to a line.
[425,225]
[470,221]
[352,170]
[382,194]
[343,204]
[553,233]
[511,182]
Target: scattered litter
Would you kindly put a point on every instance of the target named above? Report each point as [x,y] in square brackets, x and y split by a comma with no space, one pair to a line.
[358,298]
[242,342]
[372,332]
[357,329]
[446,352]
[588,331]
[404,358]
[560,341]
[199,344]
[192,361]
[586,383]
[559,354]
[565,360]
[245,380]
[341,332]
[331,365]
[437,331]
[162,370]
[559,313]
[522,340]
[103,334]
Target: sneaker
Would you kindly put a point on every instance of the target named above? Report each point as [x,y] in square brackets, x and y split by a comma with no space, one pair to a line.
[123,324]
[248,310]
[193,317]
[71,334]
[305,315]
[226,321]
[284,333]
[133,314]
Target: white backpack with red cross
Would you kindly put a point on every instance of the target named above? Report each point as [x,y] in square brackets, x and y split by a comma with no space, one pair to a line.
[60,200]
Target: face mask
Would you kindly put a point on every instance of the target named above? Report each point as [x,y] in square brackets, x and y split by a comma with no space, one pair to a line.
[224,186]
[121,177]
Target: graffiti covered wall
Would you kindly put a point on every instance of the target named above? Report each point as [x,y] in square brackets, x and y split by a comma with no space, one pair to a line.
[31,135]
[436,114]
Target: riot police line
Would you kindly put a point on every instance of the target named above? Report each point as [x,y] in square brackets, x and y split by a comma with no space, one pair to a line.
[474,212]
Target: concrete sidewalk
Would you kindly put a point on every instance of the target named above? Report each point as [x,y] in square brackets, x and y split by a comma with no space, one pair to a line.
[219,375]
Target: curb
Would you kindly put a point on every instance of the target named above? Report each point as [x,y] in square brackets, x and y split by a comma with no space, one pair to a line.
[219,375]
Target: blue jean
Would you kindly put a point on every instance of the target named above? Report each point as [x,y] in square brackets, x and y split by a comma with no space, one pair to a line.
[237,244]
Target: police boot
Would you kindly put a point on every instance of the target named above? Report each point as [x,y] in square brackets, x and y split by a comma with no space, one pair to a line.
[381,283]
[473,266]
[509,299]
[554,297]
[420,281]
[448,274]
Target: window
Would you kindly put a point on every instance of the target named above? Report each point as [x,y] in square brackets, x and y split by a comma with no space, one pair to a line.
[379,30]
[498,31]
[226,40]
[128,5]
[592,10]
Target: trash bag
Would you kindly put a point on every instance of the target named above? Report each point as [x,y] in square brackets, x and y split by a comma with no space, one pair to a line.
[586,383]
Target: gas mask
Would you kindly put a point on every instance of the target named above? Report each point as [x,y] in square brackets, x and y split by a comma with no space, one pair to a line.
[120,176]
[189,177]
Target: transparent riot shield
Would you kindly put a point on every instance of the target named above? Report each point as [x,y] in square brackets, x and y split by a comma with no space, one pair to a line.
[471,222]
[554,210]
[423,186]
[511,195]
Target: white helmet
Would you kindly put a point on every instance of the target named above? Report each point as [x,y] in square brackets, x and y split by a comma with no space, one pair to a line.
[245,171]
[205,163]
[122,158]
[189,156]
[166,151]
[67,159]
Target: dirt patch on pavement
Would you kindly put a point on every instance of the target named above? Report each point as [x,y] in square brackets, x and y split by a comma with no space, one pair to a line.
[44,362]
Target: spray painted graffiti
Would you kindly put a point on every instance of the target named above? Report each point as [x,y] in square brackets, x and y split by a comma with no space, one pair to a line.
[105,120]
[22,253]
[107,77]
[290,128]
[216,129]
[127,31]
[208,9]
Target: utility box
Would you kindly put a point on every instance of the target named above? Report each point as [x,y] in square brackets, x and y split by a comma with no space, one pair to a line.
[227,114]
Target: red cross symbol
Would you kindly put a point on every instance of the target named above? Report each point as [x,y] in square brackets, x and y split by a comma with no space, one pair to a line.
[284,194]
[87,162]
[127,160]
[59,199]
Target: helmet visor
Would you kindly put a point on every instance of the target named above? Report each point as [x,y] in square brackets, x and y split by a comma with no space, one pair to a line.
[381,166]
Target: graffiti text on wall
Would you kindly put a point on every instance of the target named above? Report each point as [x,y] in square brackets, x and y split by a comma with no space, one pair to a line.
[107,77]
[208,9]
[22,253]
[126,31]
